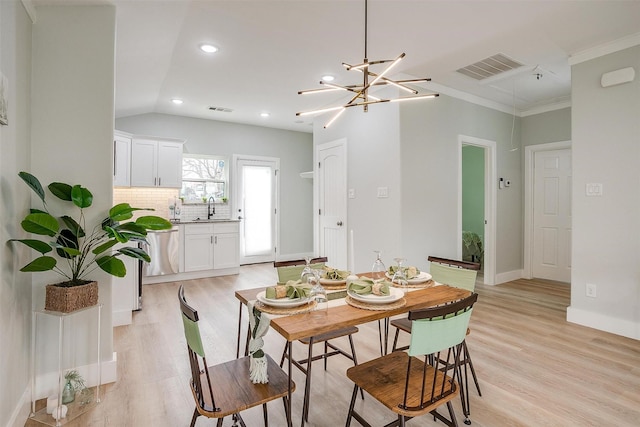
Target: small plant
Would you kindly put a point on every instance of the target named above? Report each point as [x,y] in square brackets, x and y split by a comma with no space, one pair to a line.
[224,200]
[76,381]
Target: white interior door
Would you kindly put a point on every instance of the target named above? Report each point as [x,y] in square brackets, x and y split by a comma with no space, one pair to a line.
[552,215]
[332,202]
[256,207]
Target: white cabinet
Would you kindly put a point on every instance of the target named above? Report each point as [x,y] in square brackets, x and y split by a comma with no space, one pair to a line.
[226,245]
[211,246]
[156,163]
[121,160]
[198,247]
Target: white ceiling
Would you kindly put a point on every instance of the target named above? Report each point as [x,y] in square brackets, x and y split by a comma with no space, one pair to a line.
[269,50]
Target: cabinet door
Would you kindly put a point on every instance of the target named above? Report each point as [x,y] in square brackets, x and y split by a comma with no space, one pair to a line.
[143,162]
[226,250]
[169,164]
[121,161]
[198,252]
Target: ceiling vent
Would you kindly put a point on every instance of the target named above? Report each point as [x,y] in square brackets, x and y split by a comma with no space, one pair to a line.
[221,109]
[489,67]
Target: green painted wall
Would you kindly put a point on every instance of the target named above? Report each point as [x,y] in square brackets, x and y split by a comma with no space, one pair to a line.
[473,190]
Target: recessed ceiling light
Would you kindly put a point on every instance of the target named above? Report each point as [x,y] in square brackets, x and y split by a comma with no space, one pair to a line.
[209,48]
[328,78]
[177,101]
[264,114]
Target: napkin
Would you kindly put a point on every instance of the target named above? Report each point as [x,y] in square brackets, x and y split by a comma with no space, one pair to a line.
[335,274]
[292,289]
[409,272]
[366,286]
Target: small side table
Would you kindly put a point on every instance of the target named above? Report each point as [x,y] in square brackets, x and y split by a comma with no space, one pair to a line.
[75,408]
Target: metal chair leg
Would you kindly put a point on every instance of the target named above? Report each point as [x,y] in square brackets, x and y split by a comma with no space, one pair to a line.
[467,359]
[196,414]
[265,415]
[351,405]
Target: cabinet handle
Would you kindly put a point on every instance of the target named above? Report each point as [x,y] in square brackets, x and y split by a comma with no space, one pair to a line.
[216,239]
[211,238]
[155,181]
[159,181]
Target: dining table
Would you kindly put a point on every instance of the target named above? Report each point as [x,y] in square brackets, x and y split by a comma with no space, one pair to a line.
[341,314]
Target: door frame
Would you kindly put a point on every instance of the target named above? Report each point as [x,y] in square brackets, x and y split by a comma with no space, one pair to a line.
[235,193]
[490,198]
[342,143]
[529,189]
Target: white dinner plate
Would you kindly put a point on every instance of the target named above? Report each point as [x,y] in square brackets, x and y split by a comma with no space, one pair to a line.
[420,278]
[281,302]
[394,295]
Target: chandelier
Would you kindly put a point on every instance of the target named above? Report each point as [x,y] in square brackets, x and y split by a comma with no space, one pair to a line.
[360,92]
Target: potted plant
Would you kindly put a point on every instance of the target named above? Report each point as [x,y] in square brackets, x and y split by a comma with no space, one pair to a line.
[73,383]
[81,250]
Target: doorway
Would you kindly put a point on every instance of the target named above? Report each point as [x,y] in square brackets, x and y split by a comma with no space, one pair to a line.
[487,225]
[255,204]
[547,237]
[331,202]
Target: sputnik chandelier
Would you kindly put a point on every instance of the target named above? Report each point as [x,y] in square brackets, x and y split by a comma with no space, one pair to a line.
[361,96]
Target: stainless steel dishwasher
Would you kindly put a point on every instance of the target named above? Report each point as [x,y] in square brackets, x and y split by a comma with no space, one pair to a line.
[164,251]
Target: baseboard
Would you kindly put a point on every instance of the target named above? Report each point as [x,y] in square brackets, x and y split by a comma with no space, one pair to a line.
[121,317]
[508,276]
[603,322]
[46,383]
[22,410]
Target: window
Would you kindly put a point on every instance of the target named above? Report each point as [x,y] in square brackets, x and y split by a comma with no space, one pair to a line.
[203,177]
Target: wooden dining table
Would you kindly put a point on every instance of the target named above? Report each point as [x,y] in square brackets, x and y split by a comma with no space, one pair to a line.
[306,325]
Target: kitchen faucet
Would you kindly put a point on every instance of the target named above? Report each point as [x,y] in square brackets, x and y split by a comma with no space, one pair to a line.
[211,209]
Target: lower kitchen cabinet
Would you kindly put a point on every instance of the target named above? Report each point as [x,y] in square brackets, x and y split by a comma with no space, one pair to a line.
[211,246]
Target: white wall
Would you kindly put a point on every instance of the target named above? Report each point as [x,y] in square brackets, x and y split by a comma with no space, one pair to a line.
[72,131]
[225,139]
[606,230]
[15,287]
[373,160]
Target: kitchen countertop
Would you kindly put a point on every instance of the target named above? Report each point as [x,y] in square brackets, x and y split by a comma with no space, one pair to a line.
[204,221]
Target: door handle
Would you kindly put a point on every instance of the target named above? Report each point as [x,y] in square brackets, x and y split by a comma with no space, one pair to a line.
[239,217]
[339,223]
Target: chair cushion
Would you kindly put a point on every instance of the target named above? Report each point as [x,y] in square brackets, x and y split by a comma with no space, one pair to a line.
[350,330]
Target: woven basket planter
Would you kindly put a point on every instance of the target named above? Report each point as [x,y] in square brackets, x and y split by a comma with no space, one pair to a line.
[68,299]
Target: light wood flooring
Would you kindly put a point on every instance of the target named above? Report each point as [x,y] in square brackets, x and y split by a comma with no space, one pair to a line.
[535,369]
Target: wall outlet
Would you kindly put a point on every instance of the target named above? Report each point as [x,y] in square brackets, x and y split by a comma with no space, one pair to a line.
[591,290]
[352,193]
[383,192]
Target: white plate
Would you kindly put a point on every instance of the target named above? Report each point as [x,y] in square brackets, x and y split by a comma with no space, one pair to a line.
[330,282]
[394,295]
[281,302]
[420,278]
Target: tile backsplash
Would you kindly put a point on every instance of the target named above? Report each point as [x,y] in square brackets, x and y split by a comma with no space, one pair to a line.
[160,199]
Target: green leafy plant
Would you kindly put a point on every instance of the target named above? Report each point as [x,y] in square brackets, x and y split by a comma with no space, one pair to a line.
[83,252]
[74,378]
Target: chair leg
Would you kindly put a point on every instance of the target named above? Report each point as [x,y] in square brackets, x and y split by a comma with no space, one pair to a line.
[352,404]
[395,340]
[287,414]
[284,353]
[355,359]
[195,416]
[452,414]
[265,415]
[307,385]
[467,359]
[219,423]
[326,350]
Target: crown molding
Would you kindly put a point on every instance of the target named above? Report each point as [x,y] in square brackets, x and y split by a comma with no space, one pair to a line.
[31,9]
[605,49]
[559,105]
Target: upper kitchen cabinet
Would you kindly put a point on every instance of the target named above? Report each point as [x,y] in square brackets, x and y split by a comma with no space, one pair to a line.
[121,159]
[156,162]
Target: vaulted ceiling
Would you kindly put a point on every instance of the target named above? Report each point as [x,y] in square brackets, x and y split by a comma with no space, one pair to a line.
[269,50]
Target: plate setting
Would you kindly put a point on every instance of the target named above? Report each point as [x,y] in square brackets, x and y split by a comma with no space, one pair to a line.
[281,302]
[420,278]
[394,295]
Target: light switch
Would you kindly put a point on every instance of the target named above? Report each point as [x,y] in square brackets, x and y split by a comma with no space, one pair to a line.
[383,192]
[593,189]
[352,193]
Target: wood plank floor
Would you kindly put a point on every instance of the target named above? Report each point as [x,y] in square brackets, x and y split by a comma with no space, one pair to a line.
[535,369]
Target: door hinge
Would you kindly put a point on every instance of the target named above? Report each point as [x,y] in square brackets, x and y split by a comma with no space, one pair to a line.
[319,211]
[275,172]
[275,211]
[319,165]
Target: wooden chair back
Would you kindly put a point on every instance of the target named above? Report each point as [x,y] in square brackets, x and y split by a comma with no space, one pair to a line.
[461,274]
[201,387]
[437,333]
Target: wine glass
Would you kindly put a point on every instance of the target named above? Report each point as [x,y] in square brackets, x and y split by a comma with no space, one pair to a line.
[399,276]
[378,269]
[318,292]
[306,271]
